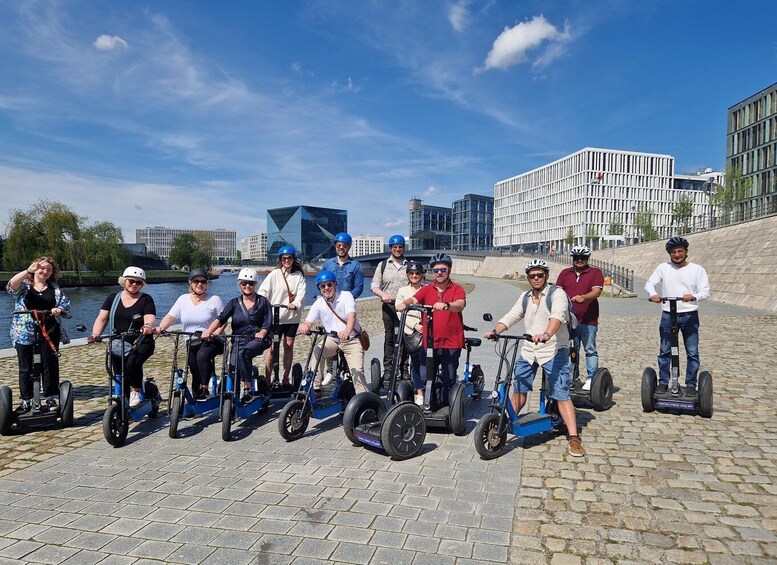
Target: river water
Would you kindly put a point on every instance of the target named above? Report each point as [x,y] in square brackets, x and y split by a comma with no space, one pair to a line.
[85,302]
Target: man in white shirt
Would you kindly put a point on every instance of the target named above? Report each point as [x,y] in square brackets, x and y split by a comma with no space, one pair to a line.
[679,278]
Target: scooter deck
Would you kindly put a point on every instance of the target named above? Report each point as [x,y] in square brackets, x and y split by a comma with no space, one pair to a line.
[282,391]
[532,423]
[201,406]
[37,418]
[440,418]
[672,401]
[369,434]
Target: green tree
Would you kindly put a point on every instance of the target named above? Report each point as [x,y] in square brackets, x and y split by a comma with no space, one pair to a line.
[570,237]
[103,248]
[188,252]
[733,191]
[643,223]
[682,212]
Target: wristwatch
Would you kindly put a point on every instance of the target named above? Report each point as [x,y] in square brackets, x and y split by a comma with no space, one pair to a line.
[546,334]
[447,305]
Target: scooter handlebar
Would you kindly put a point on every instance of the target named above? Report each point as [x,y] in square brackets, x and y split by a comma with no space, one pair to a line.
[470,329]
[497,337]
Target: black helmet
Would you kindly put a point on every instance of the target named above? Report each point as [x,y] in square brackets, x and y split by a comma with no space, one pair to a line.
[676,241]
[441,258]
[415,266]
[197,273]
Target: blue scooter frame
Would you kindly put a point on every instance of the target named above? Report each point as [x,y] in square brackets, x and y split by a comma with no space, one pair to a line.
[230,406]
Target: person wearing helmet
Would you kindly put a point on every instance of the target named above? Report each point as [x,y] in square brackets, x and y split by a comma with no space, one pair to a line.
[448,299]
[285,285]
[583,284]
[117,312]
[679,277]
[389,277]
[35,288]
[548,347]
[335,309]
[415,279]
[197,310]
[251,316]
[349,272]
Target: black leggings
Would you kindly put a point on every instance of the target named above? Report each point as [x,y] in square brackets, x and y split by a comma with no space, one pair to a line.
[201,358]
[50,368]
[133,364]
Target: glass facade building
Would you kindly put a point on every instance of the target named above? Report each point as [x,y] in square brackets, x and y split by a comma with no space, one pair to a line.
[431,227]
[308,228]
[473,223]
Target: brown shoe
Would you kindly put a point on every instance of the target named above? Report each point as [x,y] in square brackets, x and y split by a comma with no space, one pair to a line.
[576,447]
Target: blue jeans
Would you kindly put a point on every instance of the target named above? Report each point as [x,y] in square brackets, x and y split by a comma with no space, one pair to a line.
[557,371]
[586,340]
[688,324]
[448,362]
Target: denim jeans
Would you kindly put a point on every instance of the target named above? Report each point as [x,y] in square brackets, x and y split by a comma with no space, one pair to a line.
[448,362]
[688,324]
[556,370]
[585,341]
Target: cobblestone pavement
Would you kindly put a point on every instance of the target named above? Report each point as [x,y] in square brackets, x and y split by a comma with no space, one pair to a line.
[654,488]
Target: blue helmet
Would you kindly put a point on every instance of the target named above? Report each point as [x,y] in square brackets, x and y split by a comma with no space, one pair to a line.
[343,237]
[441,258]
[287,250]
[326,276]
[396,240]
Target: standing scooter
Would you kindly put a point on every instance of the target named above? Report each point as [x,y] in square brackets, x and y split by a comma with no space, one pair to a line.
[230,406]
[277,388]
[674,398]
[118,414]
[491,430]
[295,416]
[40,415]
[395,424]
[474,379]
[600,393]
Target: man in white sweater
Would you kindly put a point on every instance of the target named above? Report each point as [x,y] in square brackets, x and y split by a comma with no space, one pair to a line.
[679,278]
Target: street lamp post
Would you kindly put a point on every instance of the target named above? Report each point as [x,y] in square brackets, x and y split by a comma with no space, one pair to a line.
[709,189]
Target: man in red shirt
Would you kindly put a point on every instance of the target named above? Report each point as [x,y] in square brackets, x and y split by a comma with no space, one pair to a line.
[583,284]
[448,300]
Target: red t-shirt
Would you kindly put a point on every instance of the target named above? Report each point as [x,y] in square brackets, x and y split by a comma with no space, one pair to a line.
[448,326]
[586,312]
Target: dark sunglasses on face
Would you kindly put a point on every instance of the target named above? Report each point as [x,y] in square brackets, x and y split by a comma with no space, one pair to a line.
[440,270]
[535,276]
[134,282]
[199,281]
[326,285]
[416,273]
[247,283]
[579,258]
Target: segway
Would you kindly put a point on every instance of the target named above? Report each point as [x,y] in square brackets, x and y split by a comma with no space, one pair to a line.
[474,379]
[600,393]
[295,416]
[396,424]
[279,389]
[40,414]
[491,430]
[117,416]
[181,402]
[675,398]
[230,406]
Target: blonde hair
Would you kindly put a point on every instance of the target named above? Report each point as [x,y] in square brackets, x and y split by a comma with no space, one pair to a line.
[54,269]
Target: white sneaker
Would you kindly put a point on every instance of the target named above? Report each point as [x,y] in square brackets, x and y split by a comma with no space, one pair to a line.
[587,384]
[327,379]
[419,399]
[134,399]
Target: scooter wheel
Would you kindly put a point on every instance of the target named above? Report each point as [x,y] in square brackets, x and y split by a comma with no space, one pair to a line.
[364,408]
[176,408]
[66,403]
[293,420]
[115,427]
[375,375]
[705,394]
[458,404]
[226,419]
[6,410]
[403,431]
[478,380]
[489,441]
[601,390]
[649,381]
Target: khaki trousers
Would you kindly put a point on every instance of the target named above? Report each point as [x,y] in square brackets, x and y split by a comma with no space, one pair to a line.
[354,356]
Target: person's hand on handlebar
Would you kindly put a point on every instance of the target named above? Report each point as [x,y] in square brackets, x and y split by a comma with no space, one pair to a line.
[688,298]
[490,334]
[655,298]
[304,328]
[344,335]
[91,339]
[146,329]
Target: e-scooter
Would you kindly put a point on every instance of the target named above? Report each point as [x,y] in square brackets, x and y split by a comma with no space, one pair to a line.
[230,405]
[674,398]
[280,389]
[40,414]
[600,393]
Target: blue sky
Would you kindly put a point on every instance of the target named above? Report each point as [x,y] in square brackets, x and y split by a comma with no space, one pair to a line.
[203,114]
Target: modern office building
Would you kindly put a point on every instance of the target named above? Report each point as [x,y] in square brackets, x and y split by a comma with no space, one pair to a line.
[159,240]
[587,194]
[473,223]
[308,228]
[366,245]
[254,247]
[751,147]
[431,227]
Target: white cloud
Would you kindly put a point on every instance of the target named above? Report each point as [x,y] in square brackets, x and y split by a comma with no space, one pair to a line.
[110,43]
[513,45]
[431,191]
[459,16]
[394,222]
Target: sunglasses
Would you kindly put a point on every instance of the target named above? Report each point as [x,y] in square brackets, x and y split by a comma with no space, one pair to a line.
[536,276]
[134,282]
[414,273]
[247,283]
[199,281]
[440,270]
[579,258]
[326,285]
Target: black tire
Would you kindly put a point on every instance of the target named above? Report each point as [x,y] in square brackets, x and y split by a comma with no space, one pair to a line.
[293,420]
[6,410]
[115,428]
[705,394]
[489,443]
[176,408]
[36,392]
[364,408]
[458,413]
[226,418]
[375,375]
[601,390]
[649,382]
[152,392]
[405,391]
[403,431]
[66,403]
[296,375]
[478,380]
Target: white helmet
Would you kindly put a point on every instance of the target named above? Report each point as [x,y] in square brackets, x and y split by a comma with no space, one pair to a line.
[580,250]
[536,264]
[247,275]
[136,272]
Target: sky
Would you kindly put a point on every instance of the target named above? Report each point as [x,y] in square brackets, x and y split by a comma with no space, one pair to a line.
[204,114]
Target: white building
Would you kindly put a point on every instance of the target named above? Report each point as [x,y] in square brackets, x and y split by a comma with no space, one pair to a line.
[254,247]
[587,193]
[159,240]
[366,245]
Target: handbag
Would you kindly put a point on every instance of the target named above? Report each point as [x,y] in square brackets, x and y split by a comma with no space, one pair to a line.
[413,342]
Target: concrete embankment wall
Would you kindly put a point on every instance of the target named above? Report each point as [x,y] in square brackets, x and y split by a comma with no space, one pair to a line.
[498,267]
[740,260]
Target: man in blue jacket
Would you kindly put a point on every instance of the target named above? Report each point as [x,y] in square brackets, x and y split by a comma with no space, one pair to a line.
[349,272]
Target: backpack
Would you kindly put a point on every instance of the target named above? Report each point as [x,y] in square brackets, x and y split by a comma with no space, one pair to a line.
[571,317]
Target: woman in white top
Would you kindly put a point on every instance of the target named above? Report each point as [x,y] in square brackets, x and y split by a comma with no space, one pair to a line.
[285,285]
[197,310]
[415,277]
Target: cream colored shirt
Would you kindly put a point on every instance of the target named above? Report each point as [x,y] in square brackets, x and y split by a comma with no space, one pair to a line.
[274,289]
[413,316]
